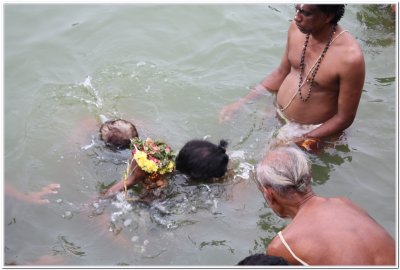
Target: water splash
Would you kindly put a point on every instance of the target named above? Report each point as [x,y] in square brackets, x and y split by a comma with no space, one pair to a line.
[88,85]
[244,170]
[88,146]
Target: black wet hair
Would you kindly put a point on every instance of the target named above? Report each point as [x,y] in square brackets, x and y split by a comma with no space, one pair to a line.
[338,10]
[118,133]
[203,160]
[263,259]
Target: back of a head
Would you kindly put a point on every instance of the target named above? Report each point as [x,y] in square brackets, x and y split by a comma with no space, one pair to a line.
[118,133]
[285,168]
[337,10]
[202,160]
[262,259]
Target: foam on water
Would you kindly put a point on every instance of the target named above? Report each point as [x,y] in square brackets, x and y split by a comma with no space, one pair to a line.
[88,85]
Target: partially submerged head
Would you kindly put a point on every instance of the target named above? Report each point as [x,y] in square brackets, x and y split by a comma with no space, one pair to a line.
[118,133]
[285,169]
[202,160]
[263,259]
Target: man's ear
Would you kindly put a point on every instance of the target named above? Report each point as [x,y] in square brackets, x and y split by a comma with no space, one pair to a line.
[329,17]
[268,194]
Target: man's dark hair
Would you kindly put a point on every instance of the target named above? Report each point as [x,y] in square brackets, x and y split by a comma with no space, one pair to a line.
[202,160]
[262,259]
[118,133]
[338,10]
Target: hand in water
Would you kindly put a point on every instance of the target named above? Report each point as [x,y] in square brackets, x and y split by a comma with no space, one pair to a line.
[309,144]
[228,111]
[36,197]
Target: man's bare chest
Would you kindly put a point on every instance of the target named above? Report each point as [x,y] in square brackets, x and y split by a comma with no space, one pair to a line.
[315,69]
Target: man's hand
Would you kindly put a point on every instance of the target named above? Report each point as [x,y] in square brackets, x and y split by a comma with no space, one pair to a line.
[36,197]
[309,144]
[228,111]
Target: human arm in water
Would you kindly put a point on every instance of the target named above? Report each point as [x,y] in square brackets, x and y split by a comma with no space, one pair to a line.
[351,80]
[351,83]
[134,175]
[32,197]
[271,83]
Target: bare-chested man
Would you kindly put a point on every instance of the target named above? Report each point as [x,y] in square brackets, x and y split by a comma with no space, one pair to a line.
[320,78]
[323,231]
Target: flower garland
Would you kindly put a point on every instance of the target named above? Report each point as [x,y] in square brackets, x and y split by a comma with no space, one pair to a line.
[153,157]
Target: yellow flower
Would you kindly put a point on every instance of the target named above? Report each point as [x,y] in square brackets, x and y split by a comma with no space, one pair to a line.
[147,152]
[171,165]
[150,166]
[140,155]
[168,168]
[144,163]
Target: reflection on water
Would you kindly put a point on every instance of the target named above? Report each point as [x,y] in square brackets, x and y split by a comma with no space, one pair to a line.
[325,162]
[271,224]
[378,24]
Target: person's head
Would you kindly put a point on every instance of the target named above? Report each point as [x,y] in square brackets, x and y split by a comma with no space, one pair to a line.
[283,172]
[118,133]
[311,17]
[336,10]
[263,259]
[202,160]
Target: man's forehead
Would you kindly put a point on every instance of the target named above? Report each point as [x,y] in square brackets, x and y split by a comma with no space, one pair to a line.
[306,7]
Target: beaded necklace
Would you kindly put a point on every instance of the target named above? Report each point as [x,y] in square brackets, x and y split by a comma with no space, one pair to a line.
[314,67]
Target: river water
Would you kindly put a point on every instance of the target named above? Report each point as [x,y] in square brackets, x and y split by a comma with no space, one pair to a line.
[170,69]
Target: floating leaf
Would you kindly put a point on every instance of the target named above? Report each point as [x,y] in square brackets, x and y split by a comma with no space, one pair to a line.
[69,247]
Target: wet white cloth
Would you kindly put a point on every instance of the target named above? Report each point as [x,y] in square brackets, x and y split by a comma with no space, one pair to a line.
[291,130]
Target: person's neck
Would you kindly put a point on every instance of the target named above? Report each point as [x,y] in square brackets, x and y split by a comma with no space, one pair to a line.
[322,35]
[299,204]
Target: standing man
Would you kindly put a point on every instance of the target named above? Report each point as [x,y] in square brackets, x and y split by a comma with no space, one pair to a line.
[323,231]
[320,78]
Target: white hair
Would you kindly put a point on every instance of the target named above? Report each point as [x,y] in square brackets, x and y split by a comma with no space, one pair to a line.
[285,168]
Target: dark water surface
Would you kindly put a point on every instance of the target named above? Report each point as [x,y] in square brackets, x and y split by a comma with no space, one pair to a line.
[170,69]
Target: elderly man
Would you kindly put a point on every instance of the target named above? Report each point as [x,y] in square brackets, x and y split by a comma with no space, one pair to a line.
[320,78]
[323,231]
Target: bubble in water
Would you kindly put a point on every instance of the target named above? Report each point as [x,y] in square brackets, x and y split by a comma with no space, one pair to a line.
[67,215]
[135,238]
[127,222]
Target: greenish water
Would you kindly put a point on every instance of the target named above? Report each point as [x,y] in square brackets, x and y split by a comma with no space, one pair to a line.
[170,69]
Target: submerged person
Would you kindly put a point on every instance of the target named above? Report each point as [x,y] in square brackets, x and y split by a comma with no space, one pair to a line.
[118,133]
[323,231]
[263,259]
[319,81]
[202,160]
[151,161]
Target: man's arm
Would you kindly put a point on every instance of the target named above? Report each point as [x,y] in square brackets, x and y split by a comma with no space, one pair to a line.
[135,176]
[352,78]
[31,197]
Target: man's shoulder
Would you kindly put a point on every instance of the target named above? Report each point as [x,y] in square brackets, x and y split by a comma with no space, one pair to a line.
[276,248]
[349,48]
